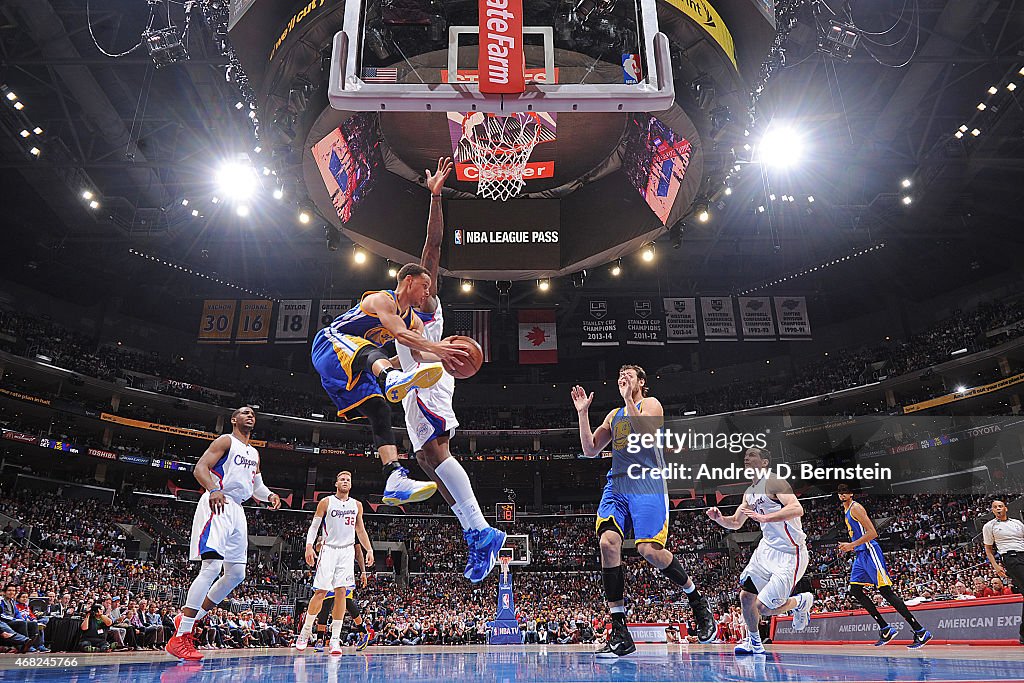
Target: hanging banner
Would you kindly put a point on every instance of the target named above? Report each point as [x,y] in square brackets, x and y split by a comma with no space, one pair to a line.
[538,337]
[215,324]
[791,312]
[681,320]
[599,325]
[756,318]
[254,321]
[643,324]
[718,317]
[501,60]
[331,309]
[293,321]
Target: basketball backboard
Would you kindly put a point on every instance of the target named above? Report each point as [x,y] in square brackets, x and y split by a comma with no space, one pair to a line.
[519,545]
[576,55]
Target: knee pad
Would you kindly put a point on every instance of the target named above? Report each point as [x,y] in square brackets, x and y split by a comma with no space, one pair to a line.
[200,588]
[352,608]
[366,357]
[234,574]
[378,412]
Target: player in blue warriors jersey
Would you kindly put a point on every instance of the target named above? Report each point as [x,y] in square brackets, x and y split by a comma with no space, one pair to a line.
[869,570]
[633,506]
[358,376]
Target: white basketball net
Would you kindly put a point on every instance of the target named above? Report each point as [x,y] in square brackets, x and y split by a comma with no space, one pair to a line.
[505,562]
[499,147]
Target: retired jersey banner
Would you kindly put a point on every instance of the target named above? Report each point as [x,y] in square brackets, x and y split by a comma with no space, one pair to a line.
[331,309]
[681,320]
[718,318]
[293,321]
[756,318]
[218,317]
[791,312]
[643,323]
[538,339]
[254,321]
[599,325]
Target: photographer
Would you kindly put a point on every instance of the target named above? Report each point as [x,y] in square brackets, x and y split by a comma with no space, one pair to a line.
[95,627]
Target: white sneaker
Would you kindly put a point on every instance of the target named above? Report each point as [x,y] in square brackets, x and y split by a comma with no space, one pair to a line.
[802,612]
[400,489]
[399,382]
[302,642]
[336,647]
[745,647]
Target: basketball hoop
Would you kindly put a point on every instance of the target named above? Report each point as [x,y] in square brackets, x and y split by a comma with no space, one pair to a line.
[499,147]
[505,561]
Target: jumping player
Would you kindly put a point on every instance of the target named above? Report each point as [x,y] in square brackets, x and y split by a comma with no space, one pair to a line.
[429,416]
[869,569]
[633,508]
[342,518]
[230,472]
[355,372]
[780,559]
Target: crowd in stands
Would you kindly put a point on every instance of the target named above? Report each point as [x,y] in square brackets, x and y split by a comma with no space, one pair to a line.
[842,369]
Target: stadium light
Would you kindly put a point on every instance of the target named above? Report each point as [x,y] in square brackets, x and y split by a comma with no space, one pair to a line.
[87,195]
[25,133]
[35,151]
[617,268]
[392,271]
[907,201]
[195,213]
[1011,86]
[906,182]
[11,96]
[544,285]
[359,256]
[467,285]
[780,146]
[960,388]
[278,193]
[993,90]
[648,253]
[37,130]
[19,106]
[703,215]
[304,217]
[242,210]
[237,180]
[94,204]
[981,106]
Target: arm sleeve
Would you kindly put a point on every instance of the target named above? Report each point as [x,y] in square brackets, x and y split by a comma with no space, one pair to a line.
[259,490]
[314,528]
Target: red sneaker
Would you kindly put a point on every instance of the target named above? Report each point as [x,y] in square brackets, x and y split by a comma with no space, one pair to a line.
[183,647]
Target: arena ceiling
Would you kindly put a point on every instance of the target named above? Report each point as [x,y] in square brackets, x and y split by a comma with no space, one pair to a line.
[143,139]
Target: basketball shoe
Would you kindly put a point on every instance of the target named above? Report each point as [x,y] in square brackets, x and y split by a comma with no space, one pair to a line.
[483,553]
[182,647]
[706,626]
[920,638]
[302,642]
[620,643]
[336,647]
[802,611]
[400,489]
[748,647]
[885,635]
[362,641]
[398,383]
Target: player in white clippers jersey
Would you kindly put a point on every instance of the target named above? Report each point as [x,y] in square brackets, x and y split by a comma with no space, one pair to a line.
[230,472]
[429,416]
[780,559]
[342,520]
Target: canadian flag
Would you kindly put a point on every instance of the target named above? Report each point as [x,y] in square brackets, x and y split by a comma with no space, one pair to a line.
[538,341]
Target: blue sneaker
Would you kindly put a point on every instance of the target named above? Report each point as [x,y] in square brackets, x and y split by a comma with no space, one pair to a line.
[885,635]
[470,536]
[748,647]
[319,647]
[920,638]
[487,544]
[398,383]
[400,489]
[362,641]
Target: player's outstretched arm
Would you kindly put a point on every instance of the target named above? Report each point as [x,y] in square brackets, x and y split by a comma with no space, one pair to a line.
[430,258]
[592,442]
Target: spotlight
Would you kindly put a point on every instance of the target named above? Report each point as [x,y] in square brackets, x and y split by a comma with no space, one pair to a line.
[975,132]
[37,130]
[35,151]
[963,128]
[242,210]
[960,388]
[87,195]
[237,180]
[544,285]
[728,191]
[195,213]
[617,268]
[907,201]
[184,202]
[467,285]
[993,90]
[333,238]
[94,204]
[760,209]
[839,41]
[257,149]
[648,253]
[238,105]
[703,215]
[958,135]
[392,271]
[359,256]
[19,106]
[1011,86]
[810,199]
[981,106]
[304,217]
[1021,72]
[278,193]
[215,199]
[781,146]
[906,182]
[772,196]
[11,96]
[579,279]
[25,133]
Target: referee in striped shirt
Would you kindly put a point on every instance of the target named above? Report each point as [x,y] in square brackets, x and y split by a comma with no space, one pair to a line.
[1007,536]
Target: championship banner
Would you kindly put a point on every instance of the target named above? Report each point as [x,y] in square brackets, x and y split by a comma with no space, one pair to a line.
[718,317]
[293,321]
[644,324]
[215,325]
[705,16]
[599,325]
[982,621]
[959,396]
[331,309]
[791,312]
[538,337]
[501,59]
[681,320]
[756,318]
[254,321]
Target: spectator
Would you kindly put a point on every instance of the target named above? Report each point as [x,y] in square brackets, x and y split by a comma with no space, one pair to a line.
[94,630]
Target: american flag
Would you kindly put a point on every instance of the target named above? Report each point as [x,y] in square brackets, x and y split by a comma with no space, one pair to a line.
[374,74]
[475,324]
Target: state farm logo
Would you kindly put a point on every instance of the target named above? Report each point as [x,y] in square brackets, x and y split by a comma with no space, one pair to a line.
[500,28]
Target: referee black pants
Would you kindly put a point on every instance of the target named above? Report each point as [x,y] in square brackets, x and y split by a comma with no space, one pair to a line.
[1014,563]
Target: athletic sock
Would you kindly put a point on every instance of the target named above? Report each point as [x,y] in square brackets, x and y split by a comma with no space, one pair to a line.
[186,625]
[755,638]
[389,468]
[619,615]
[336,630]
[453,475]
[461,516]
[307,624]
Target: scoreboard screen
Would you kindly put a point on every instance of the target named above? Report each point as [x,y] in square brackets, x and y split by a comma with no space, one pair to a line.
[505,513]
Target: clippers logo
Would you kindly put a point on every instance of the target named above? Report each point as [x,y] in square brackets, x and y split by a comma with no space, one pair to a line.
[244,461]
[631,69]
[458,238]
[501,46]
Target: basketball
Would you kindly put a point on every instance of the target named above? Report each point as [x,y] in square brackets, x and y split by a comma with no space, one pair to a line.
[472,364]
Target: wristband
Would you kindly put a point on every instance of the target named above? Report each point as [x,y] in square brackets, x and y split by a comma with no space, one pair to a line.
[215,490]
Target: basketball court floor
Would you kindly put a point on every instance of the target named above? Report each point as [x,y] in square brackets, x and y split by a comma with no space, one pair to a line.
[565,664]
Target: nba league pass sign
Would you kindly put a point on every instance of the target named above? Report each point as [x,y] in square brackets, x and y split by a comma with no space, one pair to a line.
[526,237]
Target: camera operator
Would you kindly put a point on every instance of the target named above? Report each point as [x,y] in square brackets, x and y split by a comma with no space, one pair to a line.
[95,627]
